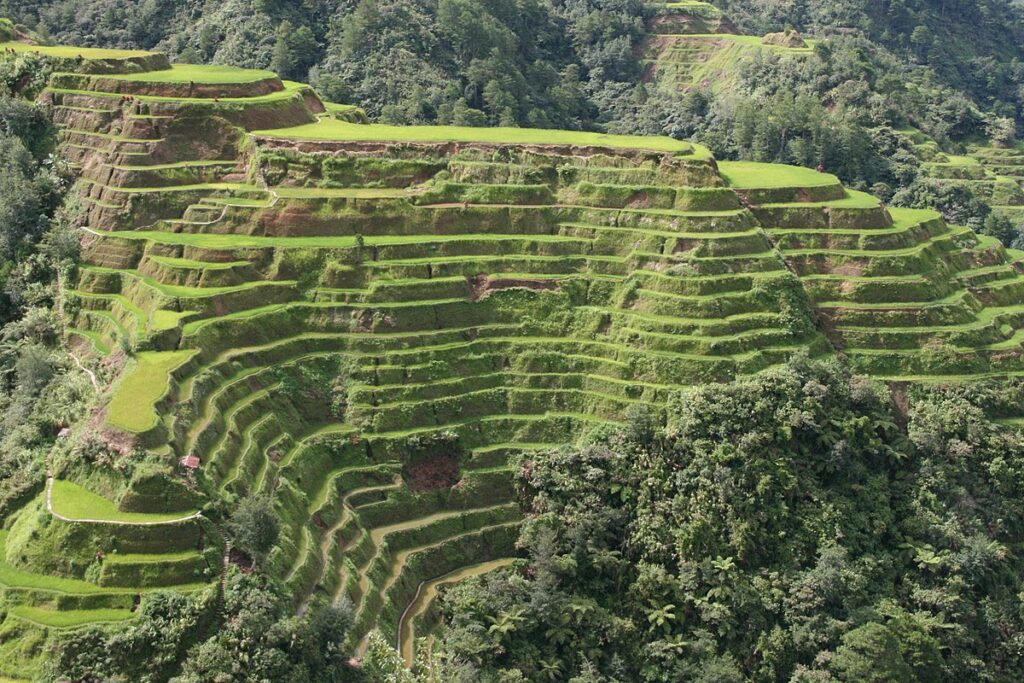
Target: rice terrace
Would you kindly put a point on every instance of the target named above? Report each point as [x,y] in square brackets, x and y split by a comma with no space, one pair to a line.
[398,384]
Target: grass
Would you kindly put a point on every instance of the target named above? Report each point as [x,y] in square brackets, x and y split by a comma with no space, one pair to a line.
[185,292]
[77,503]
[70,52]
[854,199]
[757,175]
[340,192]
[230,241]
[197,73]
[162,319]
[95,340]
[133,405]
[189,264]
[752,41]
[335,130]
[689,4]
[14,578]
[291,89]
[175,165]
[140,558]
[63,619]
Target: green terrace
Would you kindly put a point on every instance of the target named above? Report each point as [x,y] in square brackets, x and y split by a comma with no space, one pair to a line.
[287,92]
[691,44]
[343,131]
[69,52]
[509,288]
[198,73]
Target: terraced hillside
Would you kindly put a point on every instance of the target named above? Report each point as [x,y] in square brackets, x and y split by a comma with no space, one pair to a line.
[692,44]
[1004,169]
[366,322]
[994,174]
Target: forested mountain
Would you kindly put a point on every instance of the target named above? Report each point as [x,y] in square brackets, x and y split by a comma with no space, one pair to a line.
[510,62]
[417,60]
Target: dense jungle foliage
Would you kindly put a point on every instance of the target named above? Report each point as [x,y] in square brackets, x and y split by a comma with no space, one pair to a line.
[805,526]
[38,388]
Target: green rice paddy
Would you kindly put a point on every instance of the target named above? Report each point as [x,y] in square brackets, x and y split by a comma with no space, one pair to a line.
[64,619]
[753,174]
[69,52]
[77,503]
[197,73]
[342,131]
[132,406]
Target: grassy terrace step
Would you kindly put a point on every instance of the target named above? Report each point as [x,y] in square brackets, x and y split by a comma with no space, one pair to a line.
[68,619]
[110,137]
[377,396]
[335,130]
[74,502]
[95,340]
[289,91]
[195,163]
[184,292]
[190,264]
[494,401]
[163,570]
[989,330]
[199,187]
[133,404]
[72,52]
[68,597]
[17,579]
[203,74]
[107,319]
[755,175]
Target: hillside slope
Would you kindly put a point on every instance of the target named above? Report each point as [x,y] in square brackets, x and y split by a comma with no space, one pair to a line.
[365,322]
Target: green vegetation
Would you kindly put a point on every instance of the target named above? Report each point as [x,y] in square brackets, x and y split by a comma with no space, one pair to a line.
[254,526]
[132,406]
[288,93]
[750,174]
[198,73]
[825,530]
[13,578]
[333,129]
[70,52]
[64,619]
[379,357]
[73,502]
